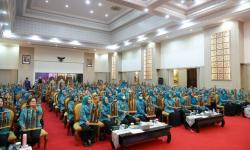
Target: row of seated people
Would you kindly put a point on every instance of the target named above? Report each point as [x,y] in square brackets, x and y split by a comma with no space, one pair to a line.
[133,104]
[20,114]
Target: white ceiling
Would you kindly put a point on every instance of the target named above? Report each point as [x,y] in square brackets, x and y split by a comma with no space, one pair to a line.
[79,9]
[54,20]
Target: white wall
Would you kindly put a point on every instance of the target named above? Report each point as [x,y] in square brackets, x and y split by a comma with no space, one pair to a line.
[246,52]
[131,60]
[101,62]
[26,70]
[8,76]
[184,52]
[235,48]
[9,56]
[45,60]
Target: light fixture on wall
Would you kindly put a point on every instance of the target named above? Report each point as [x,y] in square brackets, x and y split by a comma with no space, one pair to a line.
[75,43]
[55,40]
[141,38]
[35,38]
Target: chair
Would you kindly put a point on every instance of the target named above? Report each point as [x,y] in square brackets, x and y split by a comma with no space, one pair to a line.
[65,115]
[77,127]
[55,104]
[12,137]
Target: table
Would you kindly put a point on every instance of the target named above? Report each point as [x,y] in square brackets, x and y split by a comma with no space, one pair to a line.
[200,121]
[247,112]
[130,137]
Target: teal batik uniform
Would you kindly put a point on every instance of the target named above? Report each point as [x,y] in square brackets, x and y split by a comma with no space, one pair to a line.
[140,108]
[29,118]
[4,122]
[168,103]
[88,132]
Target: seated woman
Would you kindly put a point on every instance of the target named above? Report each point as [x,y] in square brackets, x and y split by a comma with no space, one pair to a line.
[123,113]
[223,97]
[88,132]
[140,108]
[106,116]
[70,118]
[29,119]
[172,114]
[4,124]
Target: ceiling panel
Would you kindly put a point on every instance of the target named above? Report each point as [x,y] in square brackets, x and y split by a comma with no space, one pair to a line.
[79,9]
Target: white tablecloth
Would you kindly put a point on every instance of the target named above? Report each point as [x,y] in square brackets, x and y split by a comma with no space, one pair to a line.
[116,133]
[247,112]
[191,119]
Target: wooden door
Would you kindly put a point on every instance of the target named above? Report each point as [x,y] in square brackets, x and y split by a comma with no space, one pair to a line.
[192,77]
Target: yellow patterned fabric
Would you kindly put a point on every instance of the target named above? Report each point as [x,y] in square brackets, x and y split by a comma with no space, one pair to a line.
[165,113]
[43,133]
[11,137]
[77,109]
[77,127]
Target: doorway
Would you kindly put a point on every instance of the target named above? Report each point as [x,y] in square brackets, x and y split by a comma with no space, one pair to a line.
[192,77]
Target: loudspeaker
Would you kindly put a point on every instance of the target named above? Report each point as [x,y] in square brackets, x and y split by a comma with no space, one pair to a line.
[160,81]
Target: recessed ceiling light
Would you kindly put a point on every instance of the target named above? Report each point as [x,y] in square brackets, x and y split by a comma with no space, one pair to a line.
[146,10]
[67,6]
[113,47]
[127,43]
[167,16]
[161,31]
[75,43]
[35,38]
[5,24]
[56,45]
[3,12]
[141,38]
[182,1]
[106,15]
[46,1]
[8,34]
[74,47]
[55,40]
[92,11]
[191,30]
[100,4]
[87,2]
[94,49]
[166,36]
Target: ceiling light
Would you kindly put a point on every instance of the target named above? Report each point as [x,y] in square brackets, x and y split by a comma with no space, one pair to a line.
[55,40]
[46,1]
[92,11]
[191,30]
[67,6]
[113,47]
[4,24]
[8,34]
[182,1]
[100,4]
[141,38]
[161,32]
[35,38]
[127,43]
[243,1]
[87,2]
[3,12]
[106,15]
[94,49]
[75,43]
[167,16]
[146,10]
[74,47]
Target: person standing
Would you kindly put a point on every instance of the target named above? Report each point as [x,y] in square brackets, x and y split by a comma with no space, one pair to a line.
[26,84]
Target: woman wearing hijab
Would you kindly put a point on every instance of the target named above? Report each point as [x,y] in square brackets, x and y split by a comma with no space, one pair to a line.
[88,132]
[4,124]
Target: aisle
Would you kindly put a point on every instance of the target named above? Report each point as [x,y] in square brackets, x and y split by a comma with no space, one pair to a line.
[234,136]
